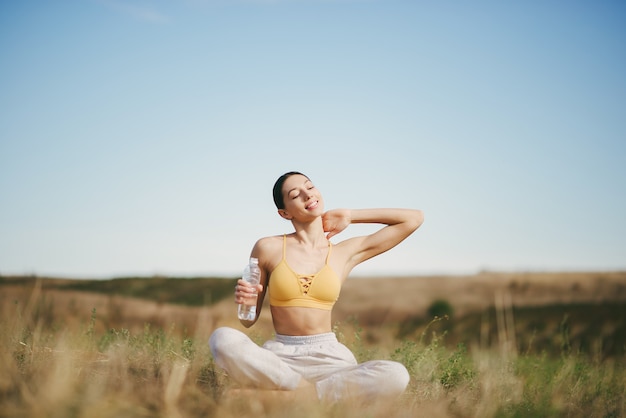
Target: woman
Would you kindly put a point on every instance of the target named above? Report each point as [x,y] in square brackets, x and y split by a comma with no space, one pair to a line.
[303,273]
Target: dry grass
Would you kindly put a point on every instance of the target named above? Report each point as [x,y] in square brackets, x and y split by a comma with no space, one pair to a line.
[76,354]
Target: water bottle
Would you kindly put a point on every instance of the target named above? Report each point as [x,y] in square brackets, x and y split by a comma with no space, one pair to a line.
[252,275]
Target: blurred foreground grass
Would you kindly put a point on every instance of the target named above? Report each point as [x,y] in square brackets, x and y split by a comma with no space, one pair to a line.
[51,370]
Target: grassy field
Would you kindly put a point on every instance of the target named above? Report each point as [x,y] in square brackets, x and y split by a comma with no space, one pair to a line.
[487,345]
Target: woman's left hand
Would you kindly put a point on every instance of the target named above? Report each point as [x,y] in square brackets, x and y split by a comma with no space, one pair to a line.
[335,221]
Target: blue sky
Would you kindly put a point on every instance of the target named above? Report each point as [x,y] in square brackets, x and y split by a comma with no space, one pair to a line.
[143,137]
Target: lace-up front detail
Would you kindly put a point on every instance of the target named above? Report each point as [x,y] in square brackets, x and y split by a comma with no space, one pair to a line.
[288,288]
[305,283]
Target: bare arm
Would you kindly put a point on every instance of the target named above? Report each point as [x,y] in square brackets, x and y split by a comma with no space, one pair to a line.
[400,223]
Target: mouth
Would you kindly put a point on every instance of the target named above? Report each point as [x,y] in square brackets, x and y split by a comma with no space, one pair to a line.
[312,205]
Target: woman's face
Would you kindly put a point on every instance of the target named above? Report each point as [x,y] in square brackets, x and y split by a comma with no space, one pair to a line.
[301,197]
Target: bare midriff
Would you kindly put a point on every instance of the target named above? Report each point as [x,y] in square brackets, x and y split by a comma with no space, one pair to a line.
[294,320]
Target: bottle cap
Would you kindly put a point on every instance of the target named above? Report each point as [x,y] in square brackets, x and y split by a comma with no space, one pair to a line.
[254,260]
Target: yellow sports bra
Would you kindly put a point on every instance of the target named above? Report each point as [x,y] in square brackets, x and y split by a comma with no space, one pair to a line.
[288,288]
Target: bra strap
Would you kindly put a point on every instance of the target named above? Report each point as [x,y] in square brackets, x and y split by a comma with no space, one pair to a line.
[284,246]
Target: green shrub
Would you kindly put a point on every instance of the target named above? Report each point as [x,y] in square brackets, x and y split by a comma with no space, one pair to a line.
[440,309]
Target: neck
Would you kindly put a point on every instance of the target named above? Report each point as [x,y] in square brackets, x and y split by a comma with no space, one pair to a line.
[311,233]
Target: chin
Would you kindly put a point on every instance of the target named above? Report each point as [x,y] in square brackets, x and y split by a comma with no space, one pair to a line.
[319,209]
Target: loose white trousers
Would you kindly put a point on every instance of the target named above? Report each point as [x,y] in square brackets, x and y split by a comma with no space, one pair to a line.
[320,359]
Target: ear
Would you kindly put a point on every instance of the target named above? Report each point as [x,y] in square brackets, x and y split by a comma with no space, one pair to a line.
[284,214]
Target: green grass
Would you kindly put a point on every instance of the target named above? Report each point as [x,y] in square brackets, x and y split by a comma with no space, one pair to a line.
[53,372]
[561,361]
[592,329]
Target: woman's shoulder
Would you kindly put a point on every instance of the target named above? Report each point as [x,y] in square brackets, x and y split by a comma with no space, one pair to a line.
[269,244]
[269,251]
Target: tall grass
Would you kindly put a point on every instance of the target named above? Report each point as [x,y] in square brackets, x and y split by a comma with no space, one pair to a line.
[48,369]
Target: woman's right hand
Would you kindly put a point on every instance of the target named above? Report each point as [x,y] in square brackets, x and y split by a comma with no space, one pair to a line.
[336,220]
[245,293]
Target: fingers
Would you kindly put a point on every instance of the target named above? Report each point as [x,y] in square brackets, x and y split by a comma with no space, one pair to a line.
[244,291]
[246,287]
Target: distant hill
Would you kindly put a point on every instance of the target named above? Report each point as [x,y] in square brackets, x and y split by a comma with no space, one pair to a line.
[201,291]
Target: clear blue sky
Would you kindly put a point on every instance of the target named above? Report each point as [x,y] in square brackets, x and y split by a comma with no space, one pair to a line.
[143,137]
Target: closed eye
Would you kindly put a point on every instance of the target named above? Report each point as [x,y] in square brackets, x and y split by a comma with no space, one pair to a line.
[307,184]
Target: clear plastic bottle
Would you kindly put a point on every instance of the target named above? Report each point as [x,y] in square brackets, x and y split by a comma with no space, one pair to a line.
[252,275]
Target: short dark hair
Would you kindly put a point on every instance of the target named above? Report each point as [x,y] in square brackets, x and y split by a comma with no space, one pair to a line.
[277,191]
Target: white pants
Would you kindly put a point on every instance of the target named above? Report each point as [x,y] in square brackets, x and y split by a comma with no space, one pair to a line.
[320,359]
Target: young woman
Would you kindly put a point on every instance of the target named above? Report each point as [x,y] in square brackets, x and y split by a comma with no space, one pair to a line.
[303,272]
